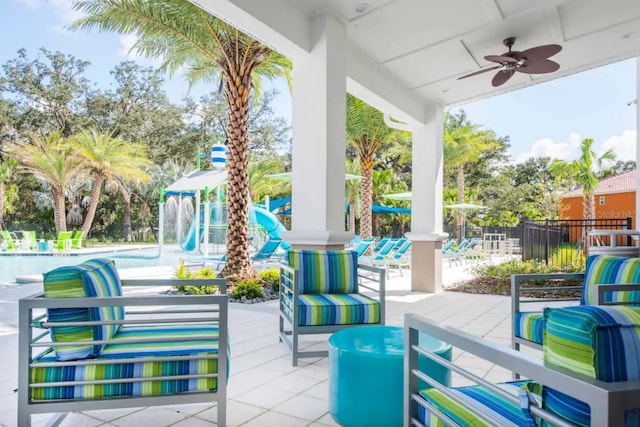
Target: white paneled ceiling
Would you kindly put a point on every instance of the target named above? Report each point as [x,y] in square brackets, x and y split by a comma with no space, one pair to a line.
[428,44]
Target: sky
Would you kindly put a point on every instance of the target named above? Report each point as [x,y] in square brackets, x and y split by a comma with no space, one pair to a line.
[548,119]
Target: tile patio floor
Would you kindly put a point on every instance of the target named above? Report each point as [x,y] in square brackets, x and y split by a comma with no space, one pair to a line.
[264,389]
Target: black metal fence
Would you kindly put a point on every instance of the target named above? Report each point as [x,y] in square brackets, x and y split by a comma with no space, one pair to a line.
[561,242]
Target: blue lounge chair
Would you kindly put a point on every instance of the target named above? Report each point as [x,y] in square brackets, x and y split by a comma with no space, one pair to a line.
[267,251]
[362,247]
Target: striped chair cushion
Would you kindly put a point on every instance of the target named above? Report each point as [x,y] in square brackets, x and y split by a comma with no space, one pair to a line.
[137,369]
[501,411]
[606,270]
[529,326]
[601,342]
[93,278]
[326,272]
[337,309]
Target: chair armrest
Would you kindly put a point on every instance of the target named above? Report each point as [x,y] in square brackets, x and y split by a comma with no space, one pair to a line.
[379,276]
[603,398]
[604,289]
[517,289]
[221,283]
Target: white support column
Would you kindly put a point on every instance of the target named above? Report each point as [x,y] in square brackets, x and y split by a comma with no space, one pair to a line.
[637,106]
[426,204]
[319,141]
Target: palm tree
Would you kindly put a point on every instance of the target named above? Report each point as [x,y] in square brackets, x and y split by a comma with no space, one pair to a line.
[464,143]
[183,36]
[107,158]
[367,132]
[52,160]
[582,172]
[7,168]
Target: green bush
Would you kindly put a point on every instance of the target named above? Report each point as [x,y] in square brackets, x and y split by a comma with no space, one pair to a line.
[271,278]
[247,288]
[569,259]
[183,272]
[496,279]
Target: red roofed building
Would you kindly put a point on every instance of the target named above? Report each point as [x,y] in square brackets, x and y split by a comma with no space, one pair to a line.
[615,197]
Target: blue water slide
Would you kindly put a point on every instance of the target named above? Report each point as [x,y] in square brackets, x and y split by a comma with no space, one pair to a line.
[271,224]
[188,242]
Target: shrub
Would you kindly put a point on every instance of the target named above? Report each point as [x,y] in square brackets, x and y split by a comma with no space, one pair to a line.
[271,278]
[247,288]
[183,272]
[496,279]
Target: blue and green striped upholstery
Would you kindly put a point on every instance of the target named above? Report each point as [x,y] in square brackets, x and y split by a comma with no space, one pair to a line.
[601,342]
[187,346]
[337,309]
[529,326]
[326,272]
[607,270]
[93,278]
[503,412]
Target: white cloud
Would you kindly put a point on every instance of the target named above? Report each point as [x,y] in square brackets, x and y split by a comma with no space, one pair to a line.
[61,12]
[547,147]
[623,145]
[127,42]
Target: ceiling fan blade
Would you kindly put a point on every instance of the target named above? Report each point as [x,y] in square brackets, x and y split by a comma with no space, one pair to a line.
[480,72]
[539,67]
[501,77]
[540,52]
[500,59]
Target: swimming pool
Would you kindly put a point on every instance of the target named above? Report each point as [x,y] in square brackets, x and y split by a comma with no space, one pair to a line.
[22,265]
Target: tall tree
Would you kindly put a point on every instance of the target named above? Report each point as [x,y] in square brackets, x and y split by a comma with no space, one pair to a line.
[367,132]
[108,158]
[53,161]
[463,143]
[582,171]
[47,91]
[184,36]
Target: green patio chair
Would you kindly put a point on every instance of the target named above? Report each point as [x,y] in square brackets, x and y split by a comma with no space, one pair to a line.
[11,242]
[30,237]
[76,240]
[63,243]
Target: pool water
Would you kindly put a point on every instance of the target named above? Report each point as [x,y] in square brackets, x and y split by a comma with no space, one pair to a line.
[22,265]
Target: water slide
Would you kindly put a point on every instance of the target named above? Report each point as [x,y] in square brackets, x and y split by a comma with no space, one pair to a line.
[271,224]
[264,218]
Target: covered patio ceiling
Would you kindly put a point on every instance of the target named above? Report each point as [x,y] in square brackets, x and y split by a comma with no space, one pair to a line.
[405,54]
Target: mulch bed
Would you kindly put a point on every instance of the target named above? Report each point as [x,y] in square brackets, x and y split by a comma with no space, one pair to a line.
[491,286]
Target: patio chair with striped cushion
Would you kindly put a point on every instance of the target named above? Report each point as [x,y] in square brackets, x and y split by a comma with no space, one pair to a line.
[320,294]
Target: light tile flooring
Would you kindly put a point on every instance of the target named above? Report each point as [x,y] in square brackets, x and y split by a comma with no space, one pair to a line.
[264,389]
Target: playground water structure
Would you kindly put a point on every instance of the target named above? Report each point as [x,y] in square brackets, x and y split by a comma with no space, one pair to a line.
[261,223]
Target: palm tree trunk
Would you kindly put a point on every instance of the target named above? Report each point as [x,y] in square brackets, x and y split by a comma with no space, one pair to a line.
[366,195]
[126,214]
[59,211]
[460,216]
[98,179]
[352,209]
[238,265]
[1,205]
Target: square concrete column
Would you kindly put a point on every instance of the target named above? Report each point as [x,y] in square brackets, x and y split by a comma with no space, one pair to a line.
[319,140]
[426,203]
[637,106]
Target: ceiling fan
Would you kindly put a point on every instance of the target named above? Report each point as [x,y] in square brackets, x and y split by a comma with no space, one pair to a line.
[530,61]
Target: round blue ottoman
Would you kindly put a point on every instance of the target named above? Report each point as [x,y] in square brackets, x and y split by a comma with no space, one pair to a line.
[366,374]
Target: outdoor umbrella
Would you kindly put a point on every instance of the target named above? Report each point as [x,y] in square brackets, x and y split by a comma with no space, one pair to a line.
[463,207]
[398,196]
[288,175]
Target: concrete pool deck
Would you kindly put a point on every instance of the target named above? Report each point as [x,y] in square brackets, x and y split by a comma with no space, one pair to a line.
[264,389]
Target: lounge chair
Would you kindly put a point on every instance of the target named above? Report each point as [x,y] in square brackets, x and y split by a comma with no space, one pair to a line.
[362,247]
[266,252]
[76,240]
[63,242]
[12,242]
[29,240]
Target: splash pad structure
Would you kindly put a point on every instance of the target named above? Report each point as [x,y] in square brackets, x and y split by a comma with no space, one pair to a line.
[196,229]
